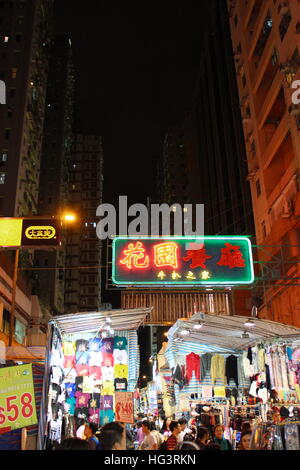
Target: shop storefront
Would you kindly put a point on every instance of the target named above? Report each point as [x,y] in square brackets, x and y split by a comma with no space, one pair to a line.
[227,370]
[89,358]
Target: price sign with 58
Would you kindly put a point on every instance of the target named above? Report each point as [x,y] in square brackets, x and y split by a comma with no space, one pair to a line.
[13,410]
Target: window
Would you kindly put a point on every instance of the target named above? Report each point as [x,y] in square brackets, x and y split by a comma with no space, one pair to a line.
[3,156]
[6,38]
[244,80]
[18,37]
[2,178]
[12,92]
[14,73]
[7,134]
[258,188]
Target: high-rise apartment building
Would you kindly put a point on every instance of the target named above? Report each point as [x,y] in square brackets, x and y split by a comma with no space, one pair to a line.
[266,42]
[204,156]
[55,165]
[24,54]
[83,252]
[25,39]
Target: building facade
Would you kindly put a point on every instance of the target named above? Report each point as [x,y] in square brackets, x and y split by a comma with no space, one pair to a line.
[83,252]
[55,167]
[24,60]
[24,52]
[266,43]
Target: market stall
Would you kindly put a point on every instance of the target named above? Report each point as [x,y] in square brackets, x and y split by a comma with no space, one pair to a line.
[230,369]
[89,357]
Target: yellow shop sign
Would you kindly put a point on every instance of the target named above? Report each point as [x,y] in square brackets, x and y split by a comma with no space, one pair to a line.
[35,232]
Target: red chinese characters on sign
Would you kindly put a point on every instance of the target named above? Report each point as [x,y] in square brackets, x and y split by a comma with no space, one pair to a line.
[231,256]
[198,258]
[135,256]
[165,254]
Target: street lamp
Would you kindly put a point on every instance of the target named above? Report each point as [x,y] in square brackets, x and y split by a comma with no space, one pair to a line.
[68,217]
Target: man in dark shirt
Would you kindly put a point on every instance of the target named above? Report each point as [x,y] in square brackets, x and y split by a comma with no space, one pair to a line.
[172,441]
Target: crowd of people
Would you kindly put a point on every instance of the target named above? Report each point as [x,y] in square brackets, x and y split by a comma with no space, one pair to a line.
[146,435]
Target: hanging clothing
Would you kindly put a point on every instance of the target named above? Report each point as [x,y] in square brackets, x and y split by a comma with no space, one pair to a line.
[217,370]
[261,359]
[205,364]
[246,364]
[193,364]
[249,355]
[231,369]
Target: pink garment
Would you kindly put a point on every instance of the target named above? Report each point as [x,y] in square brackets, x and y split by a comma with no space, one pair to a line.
[192,364]
[296,355]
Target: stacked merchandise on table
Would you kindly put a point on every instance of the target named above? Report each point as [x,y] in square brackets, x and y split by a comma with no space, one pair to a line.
[284,436]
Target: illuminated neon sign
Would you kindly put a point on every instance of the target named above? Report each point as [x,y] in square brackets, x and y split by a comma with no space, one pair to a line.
[182,261]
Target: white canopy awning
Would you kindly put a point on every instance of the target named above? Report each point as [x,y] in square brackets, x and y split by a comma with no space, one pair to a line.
[226,331]
[93,321]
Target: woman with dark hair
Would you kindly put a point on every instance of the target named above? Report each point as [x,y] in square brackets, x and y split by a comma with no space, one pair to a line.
[245,441]
[74,443]
[218,438]
[165,430]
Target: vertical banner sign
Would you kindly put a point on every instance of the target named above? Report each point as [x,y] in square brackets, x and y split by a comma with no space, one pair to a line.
[124,407]
[17,402]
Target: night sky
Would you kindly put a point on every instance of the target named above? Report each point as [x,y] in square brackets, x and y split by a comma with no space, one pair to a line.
[135,72]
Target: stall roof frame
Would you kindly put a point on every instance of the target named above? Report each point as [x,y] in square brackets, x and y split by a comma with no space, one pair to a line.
[84,322]
[226,331]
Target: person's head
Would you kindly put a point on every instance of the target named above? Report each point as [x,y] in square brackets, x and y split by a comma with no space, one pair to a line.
[183,423]
[90,430]
[218,431]
[74,443]
[212,447]
[246,427]
[185,445]
[202,434]
[110,436]
[245,441]
[175,428]
[166,425]
[140,416]
[139,424]
[146,425]
[152,426]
